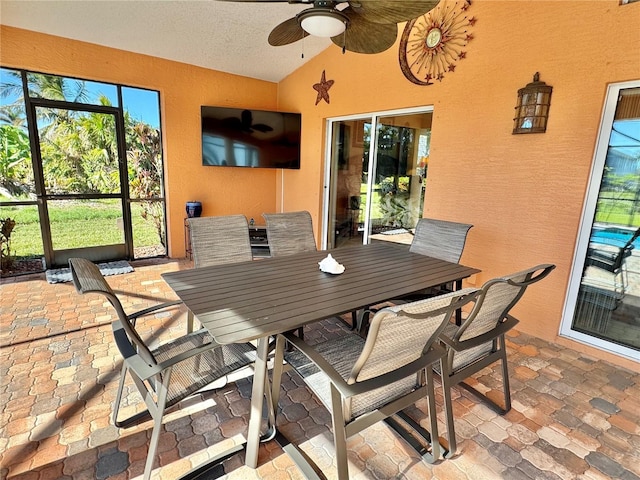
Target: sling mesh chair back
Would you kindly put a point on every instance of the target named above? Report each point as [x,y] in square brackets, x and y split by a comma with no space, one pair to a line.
[440,239]
[434,238]
[480,340]
[217,241]
[166,374]
[363,381]
[289,233]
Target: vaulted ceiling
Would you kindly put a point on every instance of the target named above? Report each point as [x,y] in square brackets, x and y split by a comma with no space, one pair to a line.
[225,36]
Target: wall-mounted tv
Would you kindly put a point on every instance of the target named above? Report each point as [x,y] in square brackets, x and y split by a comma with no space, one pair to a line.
[237,137]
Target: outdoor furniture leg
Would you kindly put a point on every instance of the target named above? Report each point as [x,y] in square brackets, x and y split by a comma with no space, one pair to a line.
[257,396]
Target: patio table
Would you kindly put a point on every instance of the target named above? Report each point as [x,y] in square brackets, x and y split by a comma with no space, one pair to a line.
[253,300]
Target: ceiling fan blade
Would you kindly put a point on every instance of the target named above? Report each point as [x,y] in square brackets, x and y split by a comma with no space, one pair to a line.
[362,36]
[287,32]
[391,11]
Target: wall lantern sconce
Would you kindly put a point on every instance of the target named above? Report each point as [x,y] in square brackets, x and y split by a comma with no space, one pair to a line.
[532,110]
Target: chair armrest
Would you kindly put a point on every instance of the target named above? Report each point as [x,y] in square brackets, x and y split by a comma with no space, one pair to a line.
[154,308]
[142,368]
[145,371]
[542,269]
[317,359]
[349,390]
[500,329]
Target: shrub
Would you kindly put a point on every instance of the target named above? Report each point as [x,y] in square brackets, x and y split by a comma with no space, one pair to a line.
[6,227]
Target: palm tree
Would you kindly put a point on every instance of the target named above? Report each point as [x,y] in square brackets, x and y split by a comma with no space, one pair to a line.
[40,85]
[13,115]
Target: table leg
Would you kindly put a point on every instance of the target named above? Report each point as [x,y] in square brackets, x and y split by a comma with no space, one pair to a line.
[458,311]
[257,396]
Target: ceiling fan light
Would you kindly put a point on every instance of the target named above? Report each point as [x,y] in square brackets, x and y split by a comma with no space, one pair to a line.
[322,23]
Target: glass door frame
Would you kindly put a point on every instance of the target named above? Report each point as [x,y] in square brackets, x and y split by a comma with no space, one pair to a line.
[96,253]
[329,179]
[584,231]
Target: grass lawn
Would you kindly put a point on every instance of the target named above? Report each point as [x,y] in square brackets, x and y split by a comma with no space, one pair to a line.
[76,224]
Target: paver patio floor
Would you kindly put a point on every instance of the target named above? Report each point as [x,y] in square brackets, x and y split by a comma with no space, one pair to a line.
[573,416]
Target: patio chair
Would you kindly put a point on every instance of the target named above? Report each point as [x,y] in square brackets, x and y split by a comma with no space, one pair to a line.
[434,238]
[217,241]
[166,374]
[363,381]
[440,239]
[480,340]
[290,233]
[612,259]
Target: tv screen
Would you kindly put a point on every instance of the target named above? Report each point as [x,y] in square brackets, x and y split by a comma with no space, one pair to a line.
[237,137]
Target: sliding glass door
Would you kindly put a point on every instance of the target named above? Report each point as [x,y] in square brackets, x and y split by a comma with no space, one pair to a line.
[376,176]
[603,307]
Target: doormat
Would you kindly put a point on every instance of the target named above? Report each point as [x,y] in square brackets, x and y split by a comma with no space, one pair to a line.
[60,275]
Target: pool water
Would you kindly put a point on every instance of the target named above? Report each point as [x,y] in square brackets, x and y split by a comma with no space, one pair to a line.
[614,236]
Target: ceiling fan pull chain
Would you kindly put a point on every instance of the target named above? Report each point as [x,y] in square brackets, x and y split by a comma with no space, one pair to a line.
[344,41]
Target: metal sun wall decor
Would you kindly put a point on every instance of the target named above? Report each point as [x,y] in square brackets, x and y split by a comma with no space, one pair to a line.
[432,44]
[323,88]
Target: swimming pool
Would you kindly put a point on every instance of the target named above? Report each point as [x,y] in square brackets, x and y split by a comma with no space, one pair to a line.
[614,236]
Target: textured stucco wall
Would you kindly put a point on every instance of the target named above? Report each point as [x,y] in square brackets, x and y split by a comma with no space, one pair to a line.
[523,193]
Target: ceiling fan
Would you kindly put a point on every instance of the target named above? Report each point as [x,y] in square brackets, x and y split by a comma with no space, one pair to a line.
[361,26]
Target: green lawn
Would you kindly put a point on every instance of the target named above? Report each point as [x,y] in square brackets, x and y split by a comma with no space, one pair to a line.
[76,224]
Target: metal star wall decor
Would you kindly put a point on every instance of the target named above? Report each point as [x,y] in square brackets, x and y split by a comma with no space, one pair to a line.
[323,88]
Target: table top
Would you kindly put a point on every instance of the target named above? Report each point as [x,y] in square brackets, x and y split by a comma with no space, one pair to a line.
[244,301]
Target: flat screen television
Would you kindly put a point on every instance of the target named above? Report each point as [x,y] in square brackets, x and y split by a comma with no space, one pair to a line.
[237,137]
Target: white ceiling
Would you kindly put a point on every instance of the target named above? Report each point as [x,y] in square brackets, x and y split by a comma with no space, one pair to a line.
[225,36]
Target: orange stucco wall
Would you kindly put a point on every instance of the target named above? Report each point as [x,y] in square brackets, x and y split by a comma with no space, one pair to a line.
[523,193]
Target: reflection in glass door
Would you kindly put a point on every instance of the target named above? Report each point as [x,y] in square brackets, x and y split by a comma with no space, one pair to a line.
[350,139]
[606,280]
[377,176]
[79,170]
[396,178]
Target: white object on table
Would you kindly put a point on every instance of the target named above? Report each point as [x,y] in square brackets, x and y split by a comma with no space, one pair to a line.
[330,265]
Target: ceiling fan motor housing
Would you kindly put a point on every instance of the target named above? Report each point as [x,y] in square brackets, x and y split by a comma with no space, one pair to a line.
[372,24]
[323,20]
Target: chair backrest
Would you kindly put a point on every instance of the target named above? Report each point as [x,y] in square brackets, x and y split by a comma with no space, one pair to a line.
[290,233]
[497,297]
[440,239]
[87,278]
[401,342]
[219,240]
[400,335]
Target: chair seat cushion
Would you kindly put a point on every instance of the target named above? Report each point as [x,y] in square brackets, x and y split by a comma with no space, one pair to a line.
[196,372]
[342,353]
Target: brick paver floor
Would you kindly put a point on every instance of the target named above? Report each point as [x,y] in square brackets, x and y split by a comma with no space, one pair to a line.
[573,417]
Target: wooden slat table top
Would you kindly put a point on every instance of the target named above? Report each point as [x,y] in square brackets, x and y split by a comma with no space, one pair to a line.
[245,301]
